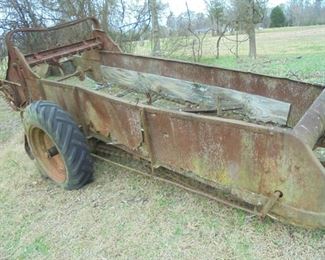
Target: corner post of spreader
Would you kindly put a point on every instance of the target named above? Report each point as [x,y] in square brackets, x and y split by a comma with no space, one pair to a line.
[147,138]
[270,203]
[311,126]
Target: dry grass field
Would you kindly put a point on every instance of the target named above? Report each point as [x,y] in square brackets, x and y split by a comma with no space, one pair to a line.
[124,215]
[292,52]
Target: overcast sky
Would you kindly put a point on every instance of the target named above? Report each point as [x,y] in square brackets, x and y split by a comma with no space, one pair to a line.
[178,6]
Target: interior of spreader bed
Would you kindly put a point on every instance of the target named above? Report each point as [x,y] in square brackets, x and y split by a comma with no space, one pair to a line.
[169,93]
[165,92]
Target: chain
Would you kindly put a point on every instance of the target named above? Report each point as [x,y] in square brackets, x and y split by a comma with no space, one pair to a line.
[180,185]
[109,151]
[6,96]
[9,94]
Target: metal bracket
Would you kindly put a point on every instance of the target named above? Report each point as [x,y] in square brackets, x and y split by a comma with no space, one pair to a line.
[270,203]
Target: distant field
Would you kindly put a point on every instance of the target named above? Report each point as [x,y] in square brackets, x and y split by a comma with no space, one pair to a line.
[122,215]
[293,52]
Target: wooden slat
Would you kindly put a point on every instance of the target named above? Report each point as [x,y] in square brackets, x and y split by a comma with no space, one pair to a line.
[254,107]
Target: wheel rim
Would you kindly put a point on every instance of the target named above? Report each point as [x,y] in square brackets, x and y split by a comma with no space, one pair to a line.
[52,164]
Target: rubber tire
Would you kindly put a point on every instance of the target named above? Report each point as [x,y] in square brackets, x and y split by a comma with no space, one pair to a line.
[67,137]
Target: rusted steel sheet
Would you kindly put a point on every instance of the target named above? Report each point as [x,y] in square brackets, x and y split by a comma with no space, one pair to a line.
[230,155]
[312,125]
[62,51]
[19,65]
[233,154]
[118,123]
[301,95]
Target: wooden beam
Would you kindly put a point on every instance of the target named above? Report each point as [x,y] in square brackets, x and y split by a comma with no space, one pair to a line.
[204,97]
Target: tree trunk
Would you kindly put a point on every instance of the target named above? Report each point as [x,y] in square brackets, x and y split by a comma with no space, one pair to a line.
[252,42]
[155,28]
[219,39]
[214,29]
[105,14]
[218,26]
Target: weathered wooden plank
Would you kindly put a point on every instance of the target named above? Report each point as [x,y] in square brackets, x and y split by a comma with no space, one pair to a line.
[205,97]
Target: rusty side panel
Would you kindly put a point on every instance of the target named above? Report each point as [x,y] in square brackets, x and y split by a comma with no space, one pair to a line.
[230,154]
[312,125]
[57,53]
[19,66]
[120,122]
[19,72]
[116,122]
[233,156]
[299,94]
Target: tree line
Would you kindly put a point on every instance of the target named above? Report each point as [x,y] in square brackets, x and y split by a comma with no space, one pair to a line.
[298,13]
[131,21]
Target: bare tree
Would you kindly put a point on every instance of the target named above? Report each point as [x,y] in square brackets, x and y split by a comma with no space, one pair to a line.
[199,37]
[216,14]
[130,23]
[305,12]
[155,28]
[20,13]
[249,13]
[222,34]
[125,20]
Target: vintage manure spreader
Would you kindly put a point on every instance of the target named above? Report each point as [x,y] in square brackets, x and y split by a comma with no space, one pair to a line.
[250,141]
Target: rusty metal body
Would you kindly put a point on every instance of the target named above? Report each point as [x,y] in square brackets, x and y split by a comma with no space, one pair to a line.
[246,162]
